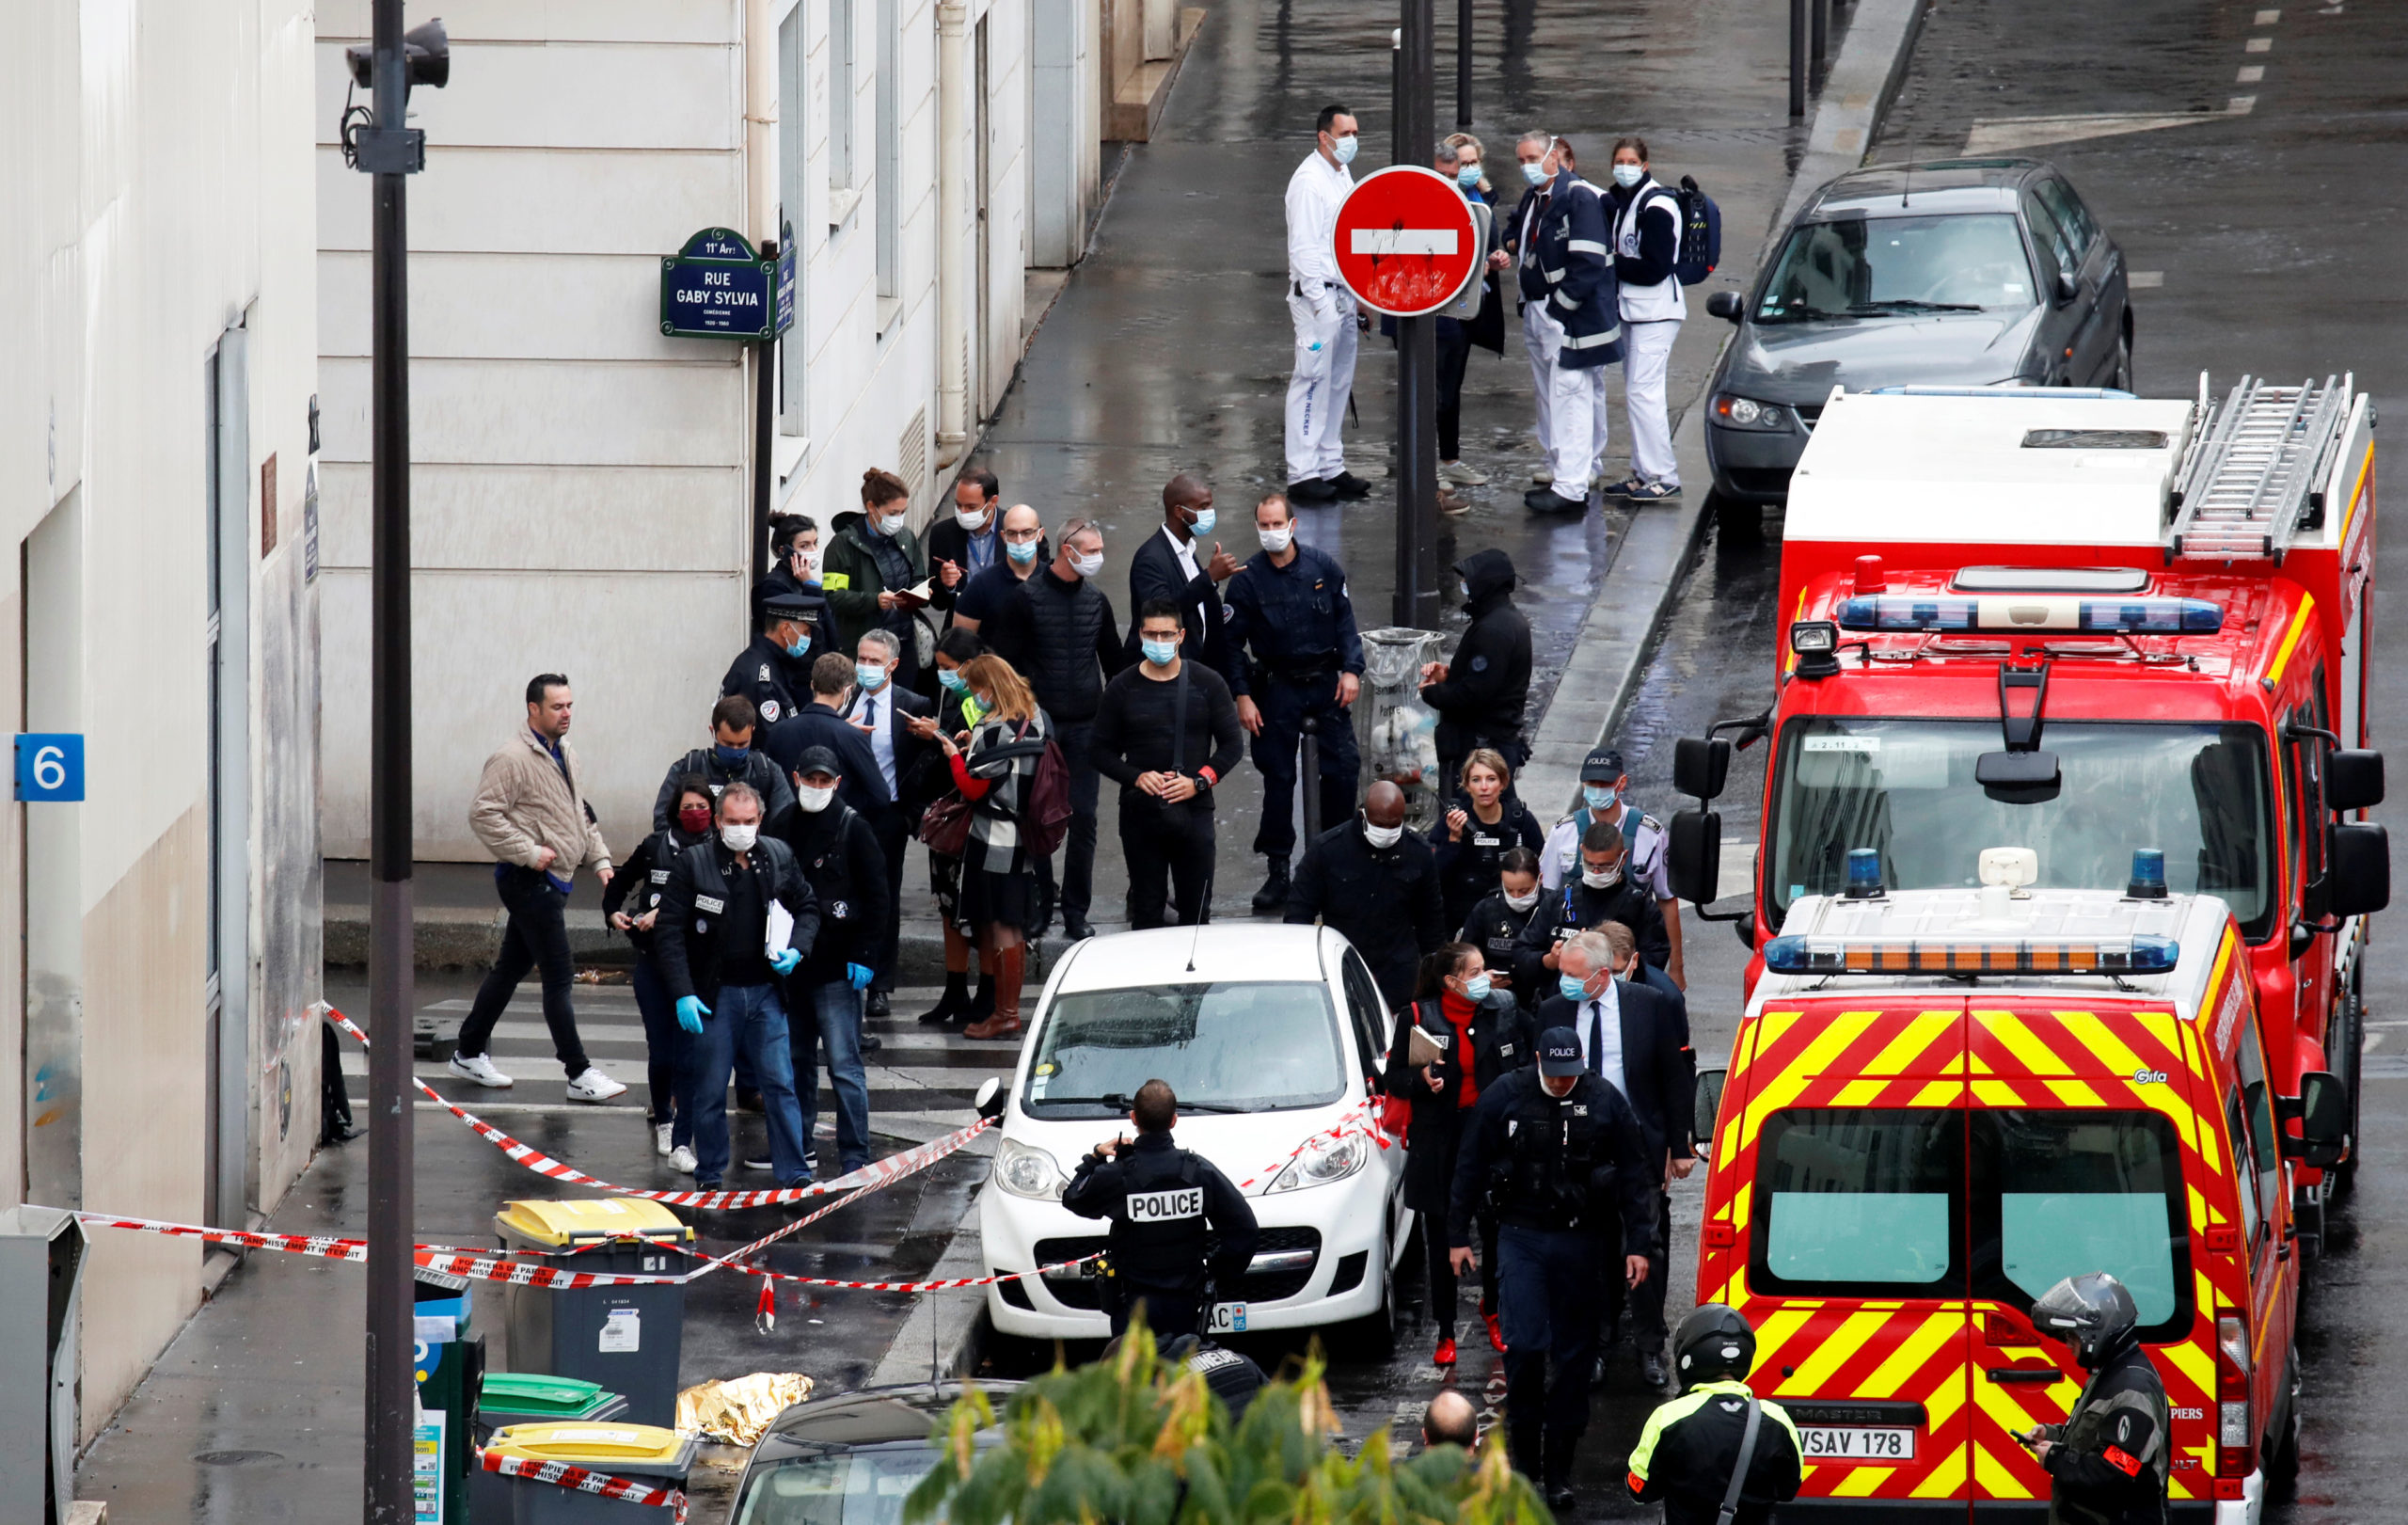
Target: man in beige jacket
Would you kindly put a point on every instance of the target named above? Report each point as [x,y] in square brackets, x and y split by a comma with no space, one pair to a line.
[530,813]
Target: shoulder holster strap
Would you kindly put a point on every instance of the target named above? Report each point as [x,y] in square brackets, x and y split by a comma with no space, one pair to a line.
[1730,1509]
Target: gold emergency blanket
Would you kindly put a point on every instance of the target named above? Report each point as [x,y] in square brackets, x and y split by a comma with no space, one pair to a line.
[738,1412]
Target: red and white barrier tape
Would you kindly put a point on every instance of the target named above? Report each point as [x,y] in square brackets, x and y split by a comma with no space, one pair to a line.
[1361,1117]
[877,1173]
[561,1474]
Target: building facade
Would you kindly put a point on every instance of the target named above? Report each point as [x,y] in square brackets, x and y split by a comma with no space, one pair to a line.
[584,487]
[159,943]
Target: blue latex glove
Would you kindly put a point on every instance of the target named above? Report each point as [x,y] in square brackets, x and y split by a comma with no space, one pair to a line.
[859,975]
[785,960]
[691,1012]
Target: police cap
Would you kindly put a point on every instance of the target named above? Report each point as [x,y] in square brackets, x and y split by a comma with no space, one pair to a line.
[1559,1053]
[782,606]
[1602,766]
[818,760]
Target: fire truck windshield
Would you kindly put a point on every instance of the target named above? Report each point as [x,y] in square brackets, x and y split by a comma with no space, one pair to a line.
[1906,788]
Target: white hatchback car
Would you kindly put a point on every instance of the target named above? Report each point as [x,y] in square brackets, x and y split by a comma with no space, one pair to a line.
[1270,1036]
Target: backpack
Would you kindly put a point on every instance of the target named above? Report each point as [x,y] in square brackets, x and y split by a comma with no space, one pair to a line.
[1049,801]
[1700,235]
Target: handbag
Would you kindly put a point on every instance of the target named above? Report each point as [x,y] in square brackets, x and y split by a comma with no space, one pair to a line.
[944,826]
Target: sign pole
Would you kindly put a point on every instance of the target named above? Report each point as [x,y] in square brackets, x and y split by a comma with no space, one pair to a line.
[1416,356]
[391,1377]
[765,360]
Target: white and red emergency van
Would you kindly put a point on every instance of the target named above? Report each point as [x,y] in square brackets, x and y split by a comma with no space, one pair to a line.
[2087,623]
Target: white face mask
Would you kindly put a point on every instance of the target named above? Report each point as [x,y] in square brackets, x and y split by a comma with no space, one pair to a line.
[1627,175]
[1087,567]
[1523,902]
[1382,837]
[972,520]
[1276,541]
[1535,173]
[739,837]
[812,799]
[1604,880]
[1345,149]
[893,524]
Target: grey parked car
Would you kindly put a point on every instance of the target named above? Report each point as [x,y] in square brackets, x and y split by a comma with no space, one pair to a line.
[1964,272]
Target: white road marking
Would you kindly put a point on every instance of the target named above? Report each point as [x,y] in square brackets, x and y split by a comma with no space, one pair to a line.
[2266,18]
[2250,74]
[1405,240]
[2258,44]
[1996,135]
[2145,280]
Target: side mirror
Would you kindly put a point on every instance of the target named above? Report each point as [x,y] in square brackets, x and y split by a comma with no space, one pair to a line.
[2353,779]
[1728,306]
[2361,869]
[1700,766]
[1695,855]
[2325,1120]
[989,1100]
[2067,288]
[1708,1098]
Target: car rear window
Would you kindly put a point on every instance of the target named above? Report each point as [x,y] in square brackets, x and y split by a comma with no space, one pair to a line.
[2061,1193]
[1862,1202]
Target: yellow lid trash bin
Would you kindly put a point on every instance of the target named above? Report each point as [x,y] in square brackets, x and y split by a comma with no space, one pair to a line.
[627,1339]
[641,1453]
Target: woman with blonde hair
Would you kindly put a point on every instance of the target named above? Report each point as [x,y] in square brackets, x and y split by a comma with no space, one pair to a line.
[994,766]
[1484,821]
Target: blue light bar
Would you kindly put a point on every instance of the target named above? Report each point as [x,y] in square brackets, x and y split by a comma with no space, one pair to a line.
[2010,614]
[1832,954]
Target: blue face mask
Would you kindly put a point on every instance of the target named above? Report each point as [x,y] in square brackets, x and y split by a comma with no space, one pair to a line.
[1535,174]
[1343,149]
[1599,800]
[799,648]
[951,679]
[1467,176]
[1627,175]
[1159,652]
[730,756]
[872,675]
[1574,990]
[1023,552]
[1205,519]
[1476,988]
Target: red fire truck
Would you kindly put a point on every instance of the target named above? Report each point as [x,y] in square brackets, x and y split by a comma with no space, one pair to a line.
[2095,625]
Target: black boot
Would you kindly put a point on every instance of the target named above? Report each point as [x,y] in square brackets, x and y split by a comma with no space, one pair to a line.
[1273,898]
[1559,1449]
[982,1001]
[953,1002]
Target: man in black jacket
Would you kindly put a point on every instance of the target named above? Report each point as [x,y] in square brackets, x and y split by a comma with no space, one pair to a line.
[1602,892]
[840,860]
[2109,1463]
[1638,1042]
[712,945]
[731,758]
[1376,881]
[1166,734]
[774,672]
[1060,635]
[967,544]
[1172,565]
[821,724]
[1480,693]
[1689,1449]
[1161,1199]
[881,710]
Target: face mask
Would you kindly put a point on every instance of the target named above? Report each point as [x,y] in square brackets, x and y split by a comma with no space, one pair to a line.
[1382,837]
[730,756]
[1627,175]
[814,799]
[1205,519]
[1523,902]
[950,678]
[1606,881]
[1476,988]
[1087,566]
[740,838]
[1023,552]
[1574,990]
[1599,800]
[1276,541]
[972,520]
[694,819]
[891,524]
[1535,174]
[1345,149]
[800,647]
[1467,176]
[1466,588]
[872,675]
[1160,653]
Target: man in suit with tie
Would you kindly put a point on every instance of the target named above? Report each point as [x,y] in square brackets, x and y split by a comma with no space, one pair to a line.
[1639,1041]
[883,713]
[1174,565]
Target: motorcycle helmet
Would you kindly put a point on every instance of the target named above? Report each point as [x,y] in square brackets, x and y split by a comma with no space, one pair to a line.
[1713,1344]
[2092,1312]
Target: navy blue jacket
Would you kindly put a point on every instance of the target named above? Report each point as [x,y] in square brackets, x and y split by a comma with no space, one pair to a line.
[1295,618]
[1575,241]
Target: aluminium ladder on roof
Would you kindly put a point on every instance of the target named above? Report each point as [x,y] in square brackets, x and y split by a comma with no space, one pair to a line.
[2256,468]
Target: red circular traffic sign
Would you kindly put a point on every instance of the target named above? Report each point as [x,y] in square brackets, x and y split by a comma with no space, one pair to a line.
[1406,240]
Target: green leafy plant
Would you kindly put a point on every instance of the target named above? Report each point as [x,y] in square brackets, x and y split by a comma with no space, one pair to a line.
[1134,1441]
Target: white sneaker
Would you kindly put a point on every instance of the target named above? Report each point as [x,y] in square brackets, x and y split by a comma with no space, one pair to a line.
[594,1085]
[1461,475]
[1543,477]
[481,1070]
[661,1131]
[681,1159]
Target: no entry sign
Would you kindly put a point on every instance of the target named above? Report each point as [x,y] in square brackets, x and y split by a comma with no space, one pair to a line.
[1407,242]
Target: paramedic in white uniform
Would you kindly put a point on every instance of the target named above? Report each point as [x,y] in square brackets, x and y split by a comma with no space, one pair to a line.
[1324,315]
[1647,243]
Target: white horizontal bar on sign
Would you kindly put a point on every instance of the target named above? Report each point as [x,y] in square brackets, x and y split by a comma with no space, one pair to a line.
[1377,241]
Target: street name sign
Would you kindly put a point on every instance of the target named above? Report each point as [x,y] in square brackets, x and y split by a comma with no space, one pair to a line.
[1406,240]
[718,287]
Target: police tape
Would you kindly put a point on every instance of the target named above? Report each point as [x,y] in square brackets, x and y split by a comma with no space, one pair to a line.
[1362,1118]
[878,1173]
[561,1474]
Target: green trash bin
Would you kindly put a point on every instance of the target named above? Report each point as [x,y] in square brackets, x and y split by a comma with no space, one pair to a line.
[642,1453]
[529,1398]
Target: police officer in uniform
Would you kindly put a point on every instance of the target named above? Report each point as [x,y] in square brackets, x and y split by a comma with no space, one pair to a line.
[1500,918]
[774,672]
[1161,1200]
[1556,1152]
[1603,891]
[2108,1462]
[1690,1448]
[1480,693]
[1605,795]
[1288,603]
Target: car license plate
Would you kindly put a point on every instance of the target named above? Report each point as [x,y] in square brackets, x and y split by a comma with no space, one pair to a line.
[1229,1318]
[1824,1444]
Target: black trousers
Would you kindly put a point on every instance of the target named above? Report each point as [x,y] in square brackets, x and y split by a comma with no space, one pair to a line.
[1645,1302]
[1442,1270]
[1169,1314]
[1454,354]
[1077,741]
[536,937]
[1169,853]
[1546,1282]
[894,832]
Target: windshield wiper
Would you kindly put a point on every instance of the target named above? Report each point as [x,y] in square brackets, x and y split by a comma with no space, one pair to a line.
[1797,314]
[1123,1102]
[1909,304]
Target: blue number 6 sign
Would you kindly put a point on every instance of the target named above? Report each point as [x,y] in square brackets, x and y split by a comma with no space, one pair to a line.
[49,766]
